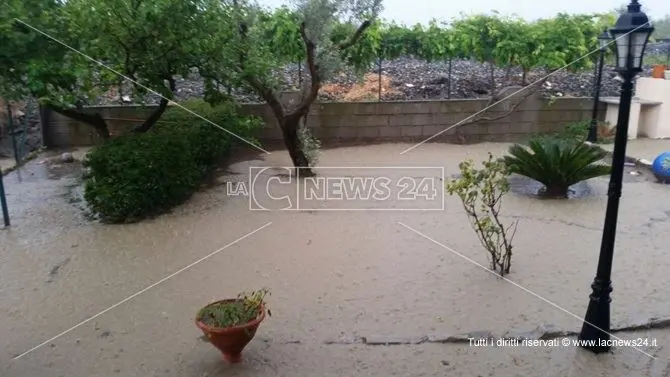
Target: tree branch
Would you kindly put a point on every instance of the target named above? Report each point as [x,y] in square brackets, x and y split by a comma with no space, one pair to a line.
[266,93]
[263,90]
[357,35]
[528,91]
[120,42]
[315,81]
[94,120]
[158,112]
[121,19]
[136,6]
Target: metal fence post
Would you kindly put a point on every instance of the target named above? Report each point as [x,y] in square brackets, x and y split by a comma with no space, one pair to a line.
[12,131]
[3,201]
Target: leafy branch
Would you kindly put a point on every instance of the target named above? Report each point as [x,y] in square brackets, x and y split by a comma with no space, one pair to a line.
[481,192]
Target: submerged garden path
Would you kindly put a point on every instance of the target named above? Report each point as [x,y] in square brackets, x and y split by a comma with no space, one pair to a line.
[335,277]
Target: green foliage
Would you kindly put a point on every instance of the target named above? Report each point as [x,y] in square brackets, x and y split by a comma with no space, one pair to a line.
[310,145]
[662,27]
[153,41]
[393,41]
[579,131]
[522,46]
[148,41]
[245,309]
[653,60]
[32,64]
[480,34]
[557,163]
[141,175]
[224,115]
[575,131]
[238,52]
[549,43]
[365,52]
[409,37]
[281,30]
[431,42]
[568,38]
[481,192]
[273,38]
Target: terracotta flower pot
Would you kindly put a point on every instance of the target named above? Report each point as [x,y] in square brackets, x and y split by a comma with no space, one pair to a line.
[658,71]
[231,340]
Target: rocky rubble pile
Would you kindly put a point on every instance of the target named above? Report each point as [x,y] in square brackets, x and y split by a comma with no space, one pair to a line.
[412,79]
[26,125]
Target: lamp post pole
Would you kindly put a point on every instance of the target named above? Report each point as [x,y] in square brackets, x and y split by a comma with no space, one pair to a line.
[593,129]
[631,32]
[598,312]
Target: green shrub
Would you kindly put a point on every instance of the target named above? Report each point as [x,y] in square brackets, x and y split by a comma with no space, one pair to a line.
[133,176]
[141,175]
[579,131]
[557,164]
[481,192]
[211,141]
[575,131]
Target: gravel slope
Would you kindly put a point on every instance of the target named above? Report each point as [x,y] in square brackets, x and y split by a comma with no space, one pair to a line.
[413,79]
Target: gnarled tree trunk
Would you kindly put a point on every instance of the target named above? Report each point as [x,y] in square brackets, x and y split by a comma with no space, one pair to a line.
[289,121]
[290,126]
[94,120]
[158,112]
[153,117]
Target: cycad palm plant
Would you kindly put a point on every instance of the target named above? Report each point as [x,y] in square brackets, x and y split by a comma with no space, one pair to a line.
[557,164]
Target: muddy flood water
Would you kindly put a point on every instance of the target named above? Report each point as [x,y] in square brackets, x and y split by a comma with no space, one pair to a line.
[391,268]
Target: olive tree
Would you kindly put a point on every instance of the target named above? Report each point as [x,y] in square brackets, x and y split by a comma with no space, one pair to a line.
[240,52]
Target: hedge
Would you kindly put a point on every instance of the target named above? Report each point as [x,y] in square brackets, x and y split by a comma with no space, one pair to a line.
[135,176]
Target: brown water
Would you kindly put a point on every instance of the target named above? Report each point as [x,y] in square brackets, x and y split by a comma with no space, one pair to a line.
[333,274]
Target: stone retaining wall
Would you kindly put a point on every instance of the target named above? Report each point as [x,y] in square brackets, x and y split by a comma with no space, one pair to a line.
[364,122]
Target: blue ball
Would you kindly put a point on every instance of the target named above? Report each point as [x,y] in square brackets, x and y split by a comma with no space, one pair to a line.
[661,167]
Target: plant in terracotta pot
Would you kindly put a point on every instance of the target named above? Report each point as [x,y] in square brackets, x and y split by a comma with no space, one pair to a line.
[230,324]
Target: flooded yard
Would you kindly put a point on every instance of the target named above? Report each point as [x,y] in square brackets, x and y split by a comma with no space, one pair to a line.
[336,276]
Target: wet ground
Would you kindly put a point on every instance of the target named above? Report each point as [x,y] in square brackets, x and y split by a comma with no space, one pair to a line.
[647,149]
[334,275]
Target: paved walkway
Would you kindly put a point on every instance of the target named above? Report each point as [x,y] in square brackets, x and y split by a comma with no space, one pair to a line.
[647,149]
[78,153]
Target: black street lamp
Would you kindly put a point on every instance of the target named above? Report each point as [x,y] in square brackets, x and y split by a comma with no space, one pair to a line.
[631,32]
[603,40]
